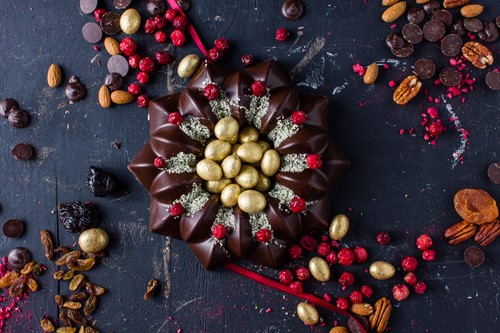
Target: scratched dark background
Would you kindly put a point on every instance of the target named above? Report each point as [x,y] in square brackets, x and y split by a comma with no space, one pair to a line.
[397,183]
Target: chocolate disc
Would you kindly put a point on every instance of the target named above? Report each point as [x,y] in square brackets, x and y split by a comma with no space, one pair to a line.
[13,228]
[121,4]
[156,7]
[474,256]
[394,41]
[424,68]
[110,23]
[118,64]
[18,118]
[450,76]
[415,15]
[443,16]
[92,32]
[431,7]
[353,325]
[18,257]
[494,172]
[88,6]
[473,24]
[457,27]
[489,34]
[404,52]
[292,10]
[497,21]
[451,45]
[184,4]
[22,151]
[412,33]
[6,105]
[493,80]
[434,30]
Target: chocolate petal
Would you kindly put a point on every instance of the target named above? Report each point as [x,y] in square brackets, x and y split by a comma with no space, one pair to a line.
[316,217]
[142,166]
[308,140]
[237,88]
[161,222]
[193,103]
[269,72]
[285,225]
[209,253]
[198,227]
[316,108]
[168,187]
[170,140]
[308,184]
[240,241]
[270,255]
[282,103]
[335,163]
[208,72]
[159,109]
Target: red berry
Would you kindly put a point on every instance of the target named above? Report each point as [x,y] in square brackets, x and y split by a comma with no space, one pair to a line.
[263,235]
[285,276]
[331,257]
[128,46]
[146,64]
[170,14]
[159,162]
[410,278]
[343,303]
[134,89]
[247,59]
[409,263]
[346,256]
[308,242]
[296,287]
[420,287]
[143,101]
[222,44]
[211,91]
[295,252]
[314,161]
[160,36]
[297,205]
[150,26]
[160,22]
[133,61]
[298,117]
[281,34]
[346,279]
[142,77]
[367,291]
[424,242]
[302,273]
[219,231]
[429,255]
[435,129]
[215,55]
[98,13]
[175,118]
[360,254]
[383,238]
[327,297]
[400,292]
[176,209]
[356,296]
[259,88]
[180,22]
[162,57]
[323,248]
[177,37]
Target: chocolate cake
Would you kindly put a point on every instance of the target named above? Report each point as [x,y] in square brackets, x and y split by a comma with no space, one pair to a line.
[239,164]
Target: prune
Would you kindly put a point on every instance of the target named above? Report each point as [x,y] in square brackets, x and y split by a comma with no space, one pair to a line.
[475,206]
[77,216]
[100,182]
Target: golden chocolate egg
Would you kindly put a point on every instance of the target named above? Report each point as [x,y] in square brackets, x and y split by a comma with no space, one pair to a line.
[227,128]
[249,152]
[188,65]
[130,21]
[208,170]
[233,140]
[248,176]
[263,184]
[216,186]
[264,145]
[339,227]
[229,195]
[270,162]
[235,147]
[217,150]
[231,166]
[339,329]
[93,240]
[307,313]
[249,134]
[319,269]
[382,270]
[251,201]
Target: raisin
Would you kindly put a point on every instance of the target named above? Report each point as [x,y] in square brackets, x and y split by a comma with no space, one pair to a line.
[76,282]
[81,264]
[100,182]
[58,299]
[90,305]
[47,244]
[94,289]
[63,318]
[32,285]
[8,279]
[47,325]
[150,289]
[80,296]
[77,216]
[68,257]
[475,206]
[17,287]
[76,317]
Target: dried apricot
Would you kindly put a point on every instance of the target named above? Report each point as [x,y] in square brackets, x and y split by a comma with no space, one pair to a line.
[475,206]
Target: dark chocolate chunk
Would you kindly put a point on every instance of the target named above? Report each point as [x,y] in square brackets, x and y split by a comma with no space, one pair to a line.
[450,76]
[489,34]
[497,21]
[431,7]
[100,182]
[22,151]
[6,105]
[443,16]
[110,23]
[292,9]
[434,30]
[118,64]
[184,4]
[474,256]
[451,45]
[473,24]
[457,28]
[156,7]
[415,15]
[354,326]
[18,257]
[424,68]
[412,33]
[404,52]
[493,80]
[394,41]
[113,81]
[77,216]
[494,168]
[121,4]
[13,228]
[75,90]
[92,32]
[18,118]
[88,6]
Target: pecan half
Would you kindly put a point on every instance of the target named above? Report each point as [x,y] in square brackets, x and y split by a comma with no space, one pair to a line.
[478,54]
[407,89]
[487,233]
[460,232]
[382,311]
[454,3]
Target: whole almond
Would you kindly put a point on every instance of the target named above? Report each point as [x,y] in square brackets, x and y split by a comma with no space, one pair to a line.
[104,97]
[471,10]
[339,329]
[121,97]
[112,46]
[362,309]
[388,3]
[392,13]
[371,74]
[422,1]
[54,76]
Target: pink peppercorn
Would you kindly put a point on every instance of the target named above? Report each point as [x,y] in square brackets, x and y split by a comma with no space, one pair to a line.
[219,231]
[297,205]
[259,88]
[159,162]
[247,59]
[383,238]
[170,14]
[211,91]
[175,118]
[215,55]
[176,209]
[180,22]
[296,287]
[160,22]
[299,117]
[331,257]
[222,44]
[314,161]
[264,235]
[346,279]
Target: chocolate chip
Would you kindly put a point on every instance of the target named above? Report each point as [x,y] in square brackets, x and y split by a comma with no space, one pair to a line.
[431,7]
[489,34]
[404,52]
[113,81]
[473,24]
[434,30]
[424,68]
[92,32]
[118,64]
[394,41]
[156,7]
[493,81]
[494,169]
[415,15]
[22,151]
[13,228]
[450,76]
[18,118]
[412,33]
[121,4]
[110,23]
[457,27]
[75,90]
[88,6]
[6,105]
[292,9]
[184,4]
[451,45]
[474,256]
[443,16]
[18,257]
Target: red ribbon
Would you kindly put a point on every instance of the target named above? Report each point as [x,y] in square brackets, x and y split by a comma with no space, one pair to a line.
[191,29]
[281,287]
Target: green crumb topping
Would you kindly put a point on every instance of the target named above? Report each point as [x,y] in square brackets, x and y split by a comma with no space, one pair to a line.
[181,163]
[193,128]
[294,163]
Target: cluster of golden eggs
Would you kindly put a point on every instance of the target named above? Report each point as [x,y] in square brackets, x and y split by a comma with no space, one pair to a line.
[238,166]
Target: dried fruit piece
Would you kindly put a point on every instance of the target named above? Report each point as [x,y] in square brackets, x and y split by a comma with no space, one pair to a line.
[17,287]
[475,205]
[487,233]
[32,285]
[58,299]
[392,13]
[47,325]
[454,3]
[72,305]
[61,250]
[90,330]
[460,232]
[59,275]
[100,182]
[90,305]
[81,264]
[8,279]
[28,268]
[76,317]
[150,289]
[406,90]
[66,330]
[47,244]
[77,216]
[76,282]
[68,275]
[94,289]
[478,54]
[80,296]
[68,257]
[63,318]
[380,318]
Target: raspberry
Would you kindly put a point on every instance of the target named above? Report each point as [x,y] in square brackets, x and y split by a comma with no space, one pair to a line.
[160,36]
[323,248]
[219,231]
[302,273]
[435,129]
[215,55]
[133,61]
[128,46]
[247,59]
[160,22]
[424,242]
[295,252]
[296,287]
[297,205]
[142,77]
[420,287]
[259,88]
[222,44]
[356,296]
[180,22]
[314,161]
[367,291]
[331,257]
[383,238]
[346,256]
[346,279]
[175,118]
[281,34]
[146,64]
[176,209]
[429,255]
[308,242]
[177,37]
[150,26]
[134,89]
[285,276]
[211,91]
[343,303]
[98,13]
[170,14]
[263,235]
[360,254]
[162,57]
[298,117]
[400,292]
[409,263]
[410,278]
[160,162]
[143,101]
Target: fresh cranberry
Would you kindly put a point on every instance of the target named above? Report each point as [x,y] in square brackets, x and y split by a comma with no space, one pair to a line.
[282,34]
[219,231]
[133,61]
[367,291]
[160,162]
[308,242]
[176,209]
[180,22]
[409,263]
[160,22]
[331,257]
[143,101]
[400,292]
[150,26]
[343,303]
[142,77]
[263,235]
[211,91]
[285,276]
[295,252]
[435,129]
[356,296]
[429,255]
[162,57]
[215,55]
[296,287]
[383,238]
[128,46]
[98,13]
[360,254]
[177,37]
[175,118]
[146,64]
[259,88]
[420,287]
[160,37]
[170,14]
[410,278]
[298,117]
[302,273]
[134,89]
[222,44]
[346,256]
[346,279]
[247,59]
[314,161]
[297,205]
[323,248]
[424,242]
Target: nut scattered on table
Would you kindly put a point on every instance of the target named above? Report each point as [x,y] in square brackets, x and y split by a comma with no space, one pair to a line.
[392,13]
[487,233]
[371,74]
[406,90]
[472,10]
[150,289]
[54,76]
[453,3]
[460,232]
[112,46]
[307,313]
[478,54]
[382,311]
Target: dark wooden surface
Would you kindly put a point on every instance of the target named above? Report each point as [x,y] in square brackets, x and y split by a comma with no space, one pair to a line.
[396,183]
